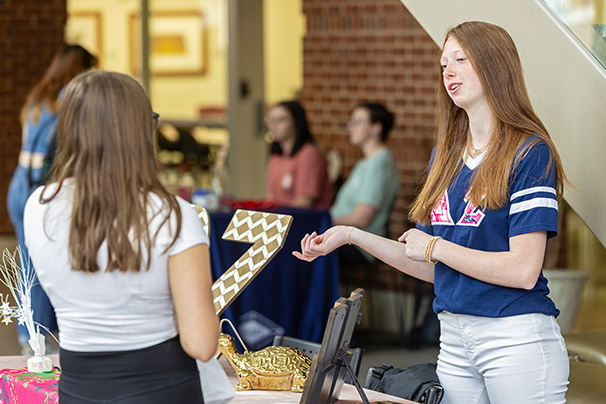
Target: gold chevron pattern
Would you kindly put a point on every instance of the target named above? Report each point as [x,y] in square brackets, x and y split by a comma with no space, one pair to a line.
[203,216]
[267,233]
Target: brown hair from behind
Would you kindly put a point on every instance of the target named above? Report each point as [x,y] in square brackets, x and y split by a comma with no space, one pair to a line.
[67,63]
[106,147]
[495,58]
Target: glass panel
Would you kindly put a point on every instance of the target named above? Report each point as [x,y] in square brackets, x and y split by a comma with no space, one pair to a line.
[188,85]
[586,20]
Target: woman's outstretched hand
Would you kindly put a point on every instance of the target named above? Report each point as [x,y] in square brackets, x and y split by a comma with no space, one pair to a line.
[416,242]
[315,245]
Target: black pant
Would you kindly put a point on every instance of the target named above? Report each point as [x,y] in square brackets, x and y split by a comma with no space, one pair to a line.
[163,373]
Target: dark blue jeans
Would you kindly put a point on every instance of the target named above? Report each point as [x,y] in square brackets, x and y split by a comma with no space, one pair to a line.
[18,192]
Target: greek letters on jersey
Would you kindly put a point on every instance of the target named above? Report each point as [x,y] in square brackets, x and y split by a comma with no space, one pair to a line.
[472,215]
[532,207]
[440,215]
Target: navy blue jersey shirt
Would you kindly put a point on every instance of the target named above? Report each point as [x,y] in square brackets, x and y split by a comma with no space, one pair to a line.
[532,206]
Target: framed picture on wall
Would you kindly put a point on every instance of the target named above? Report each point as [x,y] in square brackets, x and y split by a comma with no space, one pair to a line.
[86,29]
[177,43]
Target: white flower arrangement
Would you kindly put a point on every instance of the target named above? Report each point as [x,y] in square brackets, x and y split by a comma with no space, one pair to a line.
[19,279]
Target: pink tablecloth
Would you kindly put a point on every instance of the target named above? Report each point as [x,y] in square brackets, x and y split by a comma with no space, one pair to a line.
[18,386]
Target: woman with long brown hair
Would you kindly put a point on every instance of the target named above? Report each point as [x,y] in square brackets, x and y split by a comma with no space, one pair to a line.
[39,121]
[125,263]
[487,207]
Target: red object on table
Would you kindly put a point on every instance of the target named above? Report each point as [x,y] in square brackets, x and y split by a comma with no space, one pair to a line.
[18,386]
[253,205]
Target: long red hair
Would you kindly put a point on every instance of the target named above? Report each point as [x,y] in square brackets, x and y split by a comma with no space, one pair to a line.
[495,58]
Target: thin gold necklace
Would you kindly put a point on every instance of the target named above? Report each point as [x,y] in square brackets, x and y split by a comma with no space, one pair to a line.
[475,152]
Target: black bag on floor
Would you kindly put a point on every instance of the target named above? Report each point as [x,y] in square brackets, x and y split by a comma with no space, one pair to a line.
[417,383]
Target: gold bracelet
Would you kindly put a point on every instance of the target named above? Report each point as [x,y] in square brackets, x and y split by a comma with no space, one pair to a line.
[429,249]
[349,235]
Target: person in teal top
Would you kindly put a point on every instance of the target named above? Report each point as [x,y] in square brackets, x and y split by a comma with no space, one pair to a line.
[366,198]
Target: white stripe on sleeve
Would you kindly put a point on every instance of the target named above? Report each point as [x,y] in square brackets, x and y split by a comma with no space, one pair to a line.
[533,190]
[533,203]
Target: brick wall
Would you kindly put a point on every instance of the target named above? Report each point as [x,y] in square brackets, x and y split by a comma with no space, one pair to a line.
[372,50]
[30,33]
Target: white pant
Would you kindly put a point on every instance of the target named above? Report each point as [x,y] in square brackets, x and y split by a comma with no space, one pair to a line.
[507,360]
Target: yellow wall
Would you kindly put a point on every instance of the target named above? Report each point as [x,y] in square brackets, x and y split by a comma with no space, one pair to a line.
[180,97]
[283,30]
[177,97]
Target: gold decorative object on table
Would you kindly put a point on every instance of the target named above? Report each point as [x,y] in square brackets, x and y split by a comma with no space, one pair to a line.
[271,368]
[275,367]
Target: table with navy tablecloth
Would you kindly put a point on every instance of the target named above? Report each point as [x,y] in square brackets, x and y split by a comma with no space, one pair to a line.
[289,295]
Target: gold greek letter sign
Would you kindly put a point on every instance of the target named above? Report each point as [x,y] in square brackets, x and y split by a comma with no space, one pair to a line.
[265,231]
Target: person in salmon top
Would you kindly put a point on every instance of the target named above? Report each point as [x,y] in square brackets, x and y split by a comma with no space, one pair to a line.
[296,173]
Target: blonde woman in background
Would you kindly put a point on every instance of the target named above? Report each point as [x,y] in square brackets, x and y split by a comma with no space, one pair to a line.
[39,122]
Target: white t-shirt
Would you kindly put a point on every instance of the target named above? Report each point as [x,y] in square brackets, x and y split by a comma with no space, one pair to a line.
[106,311]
